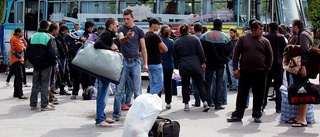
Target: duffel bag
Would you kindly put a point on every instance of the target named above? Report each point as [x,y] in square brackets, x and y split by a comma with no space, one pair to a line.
[164,127]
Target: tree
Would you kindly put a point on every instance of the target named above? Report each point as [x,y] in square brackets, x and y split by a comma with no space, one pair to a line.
[314,10]
[2,10]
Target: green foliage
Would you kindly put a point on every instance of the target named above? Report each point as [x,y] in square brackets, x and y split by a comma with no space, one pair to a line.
[2,9]
[314,10]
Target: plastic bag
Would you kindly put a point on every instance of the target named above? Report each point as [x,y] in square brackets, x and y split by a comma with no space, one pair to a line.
[142,115]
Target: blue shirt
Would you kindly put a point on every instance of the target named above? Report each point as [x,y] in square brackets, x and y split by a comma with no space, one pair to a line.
[167,59]
[130,49]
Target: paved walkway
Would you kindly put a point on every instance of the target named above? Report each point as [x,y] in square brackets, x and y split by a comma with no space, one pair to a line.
[75,118]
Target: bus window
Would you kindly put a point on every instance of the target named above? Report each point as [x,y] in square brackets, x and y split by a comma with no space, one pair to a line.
[68,9]
[16,13]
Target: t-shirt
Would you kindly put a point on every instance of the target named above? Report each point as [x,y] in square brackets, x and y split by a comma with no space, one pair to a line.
[130,49]
[152,45]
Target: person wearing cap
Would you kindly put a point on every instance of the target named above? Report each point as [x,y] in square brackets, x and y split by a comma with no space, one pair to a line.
[155,47]
[131,39]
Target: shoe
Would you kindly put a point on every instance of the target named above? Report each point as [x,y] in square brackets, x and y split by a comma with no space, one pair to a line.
[278,111]
[103,124]
[219,108]
[168,106]
[56,91]
[129,105]
[109,120]
[116,118]
[73,97]
[55,103]
[272,99]
[195,105]
[47,108]
[26,85]
[63,92]
[299,124]
[292,121]
[35,108]
[70,88]
[225,103]
[233,89]
[51,105]
[125,107]
[23,97]
[8,84]
[211,105]
[271,95]
[257,119]
[234,119]
[206,108]
[186,107]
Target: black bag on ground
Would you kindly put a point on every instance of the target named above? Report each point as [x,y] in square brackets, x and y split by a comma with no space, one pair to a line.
[164,127]
[303,93]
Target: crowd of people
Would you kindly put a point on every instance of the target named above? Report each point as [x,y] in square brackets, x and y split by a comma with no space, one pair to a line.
[211,61]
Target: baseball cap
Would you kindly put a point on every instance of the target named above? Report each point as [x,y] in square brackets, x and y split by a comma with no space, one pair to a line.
[154,21]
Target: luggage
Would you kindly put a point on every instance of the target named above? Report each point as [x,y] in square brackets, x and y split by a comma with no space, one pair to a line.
[164,127]
[289,112]
[303,93]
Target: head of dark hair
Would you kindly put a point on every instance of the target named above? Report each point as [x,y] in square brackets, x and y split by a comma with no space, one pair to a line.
[204,29]
[184,29]
[44,24]
[298,22]
[16,31]
[318,30]
[198,27]
[109,22]
[255,25]
[53,26]
[101,28]
[280,30]
[251,21]
[233,30]
[163,31]
[128,12]
[63,28]
[62,23]
[288,30]
[273,26]
[88,24]
[217,23]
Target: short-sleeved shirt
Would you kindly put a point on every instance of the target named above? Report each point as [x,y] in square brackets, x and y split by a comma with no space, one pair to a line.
[130,49]
[152,45]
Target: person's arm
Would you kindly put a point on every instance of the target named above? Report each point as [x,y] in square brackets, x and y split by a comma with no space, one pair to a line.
[124,39]
[144,54]
[305,52]
[17,45]
[235,58]
[269,55]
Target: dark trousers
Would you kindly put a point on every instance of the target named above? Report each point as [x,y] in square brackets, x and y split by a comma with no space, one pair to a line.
[276,73]
[18,79]
[218,91]
[167,82]
[255,80]
[185,79]
[11,74]
[79,77]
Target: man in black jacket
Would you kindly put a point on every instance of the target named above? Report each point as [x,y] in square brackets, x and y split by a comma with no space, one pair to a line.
[278,44]
[41,54]
[105,42]
[215,47]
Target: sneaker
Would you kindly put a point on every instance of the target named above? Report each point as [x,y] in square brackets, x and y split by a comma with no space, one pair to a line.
[168,106]
[234,119]
[70,88]
[186,107]
[51,105]
[56,91]
[73,97]
[63,92]
[8,84]
[116,118]
[125,107]
[47,108]
[35,108]
[257,119]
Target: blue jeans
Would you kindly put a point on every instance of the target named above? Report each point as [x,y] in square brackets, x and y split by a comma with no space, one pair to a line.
[63,64]
[133,70]
[101,100]
[156,78]
[233,79]
[224,99]
[126,99]
[195,93]
[40,83]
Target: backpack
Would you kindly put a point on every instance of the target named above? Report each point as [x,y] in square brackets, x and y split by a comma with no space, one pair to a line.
[164,127]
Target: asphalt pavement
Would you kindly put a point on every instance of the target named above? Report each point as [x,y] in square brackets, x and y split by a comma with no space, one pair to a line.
[75,118]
